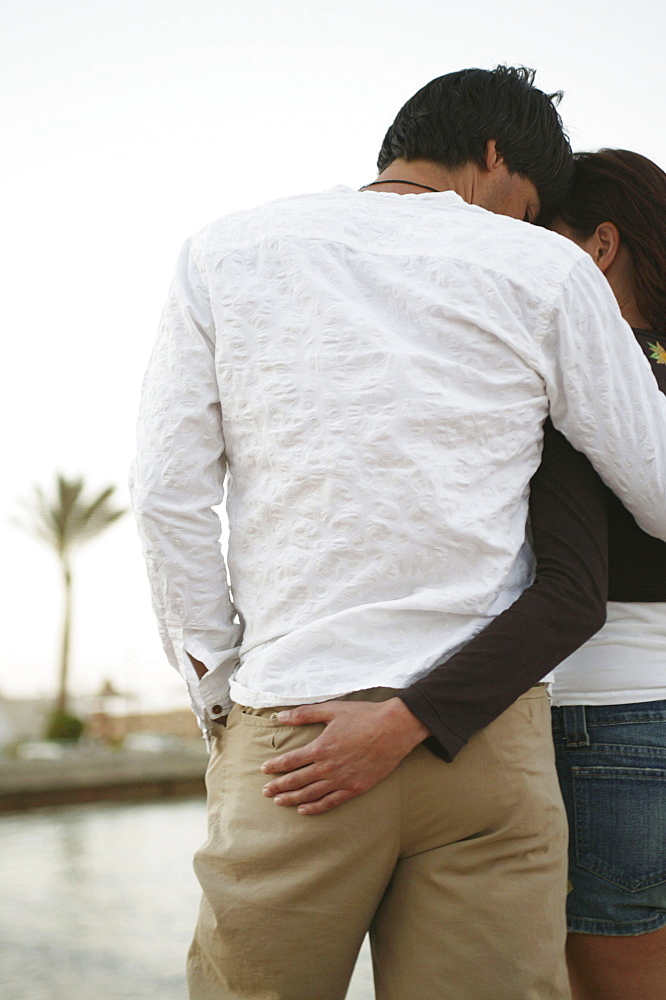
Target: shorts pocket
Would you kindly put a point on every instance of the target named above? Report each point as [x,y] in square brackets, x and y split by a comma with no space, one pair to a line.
[619,827]
[276,735]
[250,718]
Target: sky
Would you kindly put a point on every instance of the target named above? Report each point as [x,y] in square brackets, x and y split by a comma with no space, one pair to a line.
[129,124]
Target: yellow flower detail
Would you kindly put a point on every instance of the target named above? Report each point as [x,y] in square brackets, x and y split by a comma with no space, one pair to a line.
[658,353]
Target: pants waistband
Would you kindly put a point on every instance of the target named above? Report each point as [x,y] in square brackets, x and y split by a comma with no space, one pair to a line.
[374,694]
[572,726]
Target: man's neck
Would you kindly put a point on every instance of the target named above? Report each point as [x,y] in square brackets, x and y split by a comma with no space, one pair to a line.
[424,176]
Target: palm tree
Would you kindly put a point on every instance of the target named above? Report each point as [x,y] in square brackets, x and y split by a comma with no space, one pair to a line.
[65,521]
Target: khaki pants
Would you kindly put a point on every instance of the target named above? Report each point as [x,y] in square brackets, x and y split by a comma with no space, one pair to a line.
[458,870]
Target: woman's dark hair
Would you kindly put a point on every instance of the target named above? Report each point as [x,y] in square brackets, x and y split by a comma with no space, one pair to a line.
[452,119]
[616,185]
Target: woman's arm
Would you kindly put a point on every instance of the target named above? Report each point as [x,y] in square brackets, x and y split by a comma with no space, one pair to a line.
[564,606]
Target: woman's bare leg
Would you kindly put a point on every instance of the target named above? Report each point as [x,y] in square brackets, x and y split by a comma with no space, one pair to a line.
[617,968]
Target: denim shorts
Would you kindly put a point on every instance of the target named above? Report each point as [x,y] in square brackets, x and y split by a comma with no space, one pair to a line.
[611,761]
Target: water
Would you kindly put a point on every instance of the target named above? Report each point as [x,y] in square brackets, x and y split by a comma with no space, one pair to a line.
[100,901]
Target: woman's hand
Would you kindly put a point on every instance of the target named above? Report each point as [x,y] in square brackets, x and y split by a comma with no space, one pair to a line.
[363,742]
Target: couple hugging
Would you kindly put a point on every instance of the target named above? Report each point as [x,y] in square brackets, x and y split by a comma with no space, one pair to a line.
[375,376]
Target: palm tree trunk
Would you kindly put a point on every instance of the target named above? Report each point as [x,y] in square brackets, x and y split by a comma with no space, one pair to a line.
[61,703]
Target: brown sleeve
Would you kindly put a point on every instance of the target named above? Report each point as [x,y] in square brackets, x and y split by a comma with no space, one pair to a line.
[564,606]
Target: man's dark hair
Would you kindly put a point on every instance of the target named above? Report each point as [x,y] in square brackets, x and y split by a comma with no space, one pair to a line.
[452,119]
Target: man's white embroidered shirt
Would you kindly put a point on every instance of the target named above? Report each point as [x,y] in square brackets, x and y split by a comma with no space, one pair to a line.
[370,372]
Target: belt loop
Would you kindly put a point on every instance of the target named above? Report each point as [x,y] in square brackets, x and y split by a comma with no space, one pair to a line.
[575,728]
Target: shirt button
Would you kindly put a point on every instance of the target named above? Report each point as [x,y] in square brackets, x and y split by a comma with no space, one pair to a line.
[216,710]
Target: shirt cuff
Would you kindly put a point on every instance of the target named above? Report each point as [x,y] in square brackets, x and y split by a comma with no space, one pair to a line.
[443,742]
[209,695]
[214,691]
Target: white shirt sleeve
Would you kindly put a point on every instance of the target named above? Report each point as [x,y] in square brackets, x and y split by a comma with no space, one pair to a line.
[177,477]
[604,397]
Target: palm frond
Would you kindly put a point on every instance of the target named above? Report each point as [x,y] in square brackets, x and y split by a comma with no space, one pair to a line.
[68,519]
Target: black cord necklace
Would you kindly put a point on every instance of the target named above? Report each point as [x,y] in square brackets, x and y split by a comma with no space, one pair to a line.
[394,180]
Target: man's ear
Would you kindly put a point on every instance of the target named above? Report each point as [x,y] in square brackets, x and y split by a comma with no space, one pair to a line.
[493,158]
[604,244]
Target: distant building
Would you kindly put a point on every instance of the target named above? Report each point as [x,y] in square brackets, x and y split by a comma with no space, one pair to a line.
[115,727]
[105,715]
[23,719]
